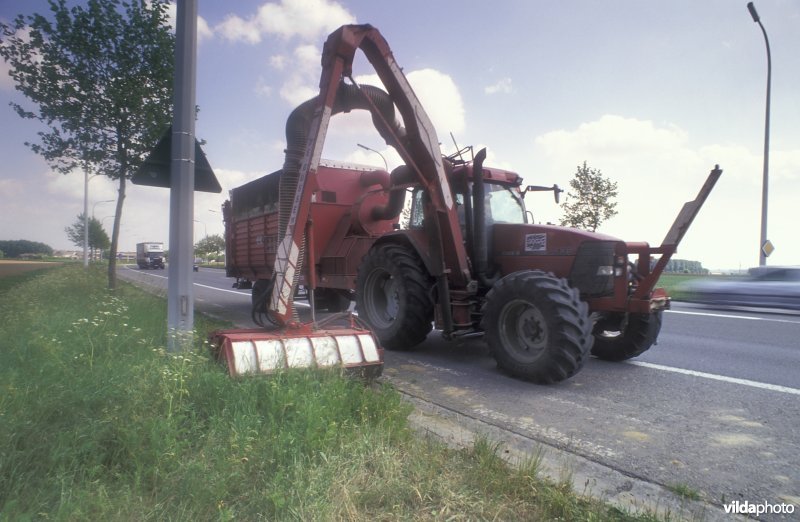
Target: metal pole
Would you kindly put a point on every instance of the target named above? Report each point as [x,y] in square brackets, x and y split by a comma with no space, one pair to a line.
[205,228]
[762,257]
[85,218]
[385,165]
[180,292]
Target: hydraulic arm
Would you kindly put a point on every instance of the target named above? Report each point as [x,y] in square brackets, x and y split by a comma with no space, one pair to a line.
[417,144]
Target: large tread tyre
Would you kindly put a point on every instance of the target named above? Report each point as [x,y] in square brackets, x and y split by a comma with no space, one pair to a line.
[537,327]
[616,341]
[392,296]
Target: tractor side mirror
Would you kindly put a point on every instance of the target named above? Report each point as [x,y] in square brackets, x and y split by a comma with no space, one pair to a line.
[536,188]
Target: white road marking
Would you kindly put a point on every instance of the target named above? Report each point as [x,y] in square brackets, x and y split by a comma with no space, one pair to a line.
[715,377]
[729,316]
[245,294]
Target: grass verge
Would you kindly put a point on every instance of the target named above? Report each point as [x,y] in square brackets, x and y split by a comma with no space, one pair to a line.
[97,422]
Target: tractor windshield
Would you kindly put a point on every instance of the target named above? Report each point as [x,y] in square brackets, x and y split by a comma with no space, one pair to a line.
[503,205]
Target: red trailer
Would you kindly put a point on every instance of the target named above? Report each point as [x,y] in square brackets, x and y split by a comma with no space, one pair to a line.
[341,229]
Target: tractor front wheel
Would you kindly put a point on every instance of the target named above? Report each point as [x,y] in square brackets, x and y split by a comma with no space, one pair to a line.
[392,296]
[616,339]
[537,327]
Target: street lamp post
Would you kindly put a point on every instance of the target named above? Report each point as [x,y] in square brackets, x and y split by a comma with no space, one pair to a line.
[762,254]
[205,229]
[385,165]
[98,202]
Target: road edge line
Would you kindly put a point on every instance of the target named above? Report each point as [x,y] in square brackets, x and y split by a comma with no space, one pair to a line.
[715,377]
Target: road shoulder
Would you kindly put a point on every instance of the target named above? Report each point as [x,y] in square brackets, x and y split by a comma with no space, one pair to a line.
[588,478]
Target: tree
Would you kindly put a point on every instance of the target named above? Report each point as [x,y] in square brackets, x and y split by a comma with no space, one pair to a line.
[590,200]
[100,76]
[210,245]
[18,247]
[98,239]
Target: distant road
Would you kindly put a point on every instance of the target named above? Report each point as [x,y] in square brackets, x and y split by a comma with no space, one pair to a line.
[713,407]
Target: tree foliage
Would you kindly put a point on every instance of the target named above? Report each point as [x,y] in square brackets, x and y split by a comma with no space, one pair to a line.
[590,200]
[100,78]
[210,245]
[98,238]
[684,266]
[18,247]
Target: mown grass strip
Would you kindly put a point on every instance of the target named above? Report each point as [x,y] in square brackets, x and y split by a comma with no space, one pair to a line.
[98,422]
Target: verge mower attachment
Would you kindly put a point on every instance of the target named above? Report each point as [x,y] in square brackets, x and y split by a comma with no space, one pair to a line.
[309,346]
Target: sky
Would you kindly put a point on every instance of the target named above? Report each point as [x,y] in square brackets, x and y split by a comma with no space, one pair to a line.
[651,93]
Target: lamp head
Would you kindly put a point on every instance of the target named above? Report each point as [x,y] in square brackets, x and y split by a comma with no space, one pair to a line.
[753,12]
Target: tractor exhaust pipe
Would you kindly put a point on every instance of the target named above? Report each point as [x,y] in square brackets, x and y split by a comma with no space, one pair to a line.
[480,243]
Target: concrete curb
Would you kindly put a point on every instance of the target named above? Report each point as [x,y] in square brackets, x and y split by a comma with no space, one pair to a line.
[588,478]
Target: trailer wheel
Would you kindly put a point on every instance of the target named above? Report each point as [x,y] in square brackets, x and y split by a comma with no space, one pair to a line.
[537,328]
[616,341]
[392,295]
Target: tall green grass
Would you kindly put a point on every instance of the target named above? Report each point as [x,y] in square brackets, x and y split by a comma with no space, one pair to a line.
[98,422]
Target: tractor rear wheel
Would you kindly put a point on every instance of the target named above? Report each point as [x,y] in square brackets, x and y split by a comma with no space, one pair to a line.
[392,296]
[537,327]
[616,340]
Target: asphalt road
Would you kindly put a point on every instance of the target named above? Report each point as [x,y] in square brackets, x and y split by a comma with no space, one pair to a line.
[712,409]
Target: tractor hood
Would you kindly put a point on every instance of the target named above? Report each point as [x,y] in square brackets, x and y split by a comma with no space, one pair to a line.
[588,260]
[542,240]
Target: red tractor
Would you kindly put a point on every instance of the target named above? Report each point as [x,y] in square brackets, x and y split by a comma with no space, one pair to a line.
[469,261]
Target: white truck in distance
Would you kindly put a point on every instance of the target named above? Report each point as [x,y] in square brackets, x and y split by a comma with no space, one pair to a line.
[150,255]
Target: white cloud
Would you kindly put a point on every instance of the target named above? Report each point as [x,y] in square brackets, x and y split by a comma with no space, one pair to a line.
[262,88]
[503,86]
[278,62]
[613,135]
[6,82]
[71,186]
[306,19]
[11,188]
[657,169]
[238,30]
[204,32]
[303,79]
[439,96]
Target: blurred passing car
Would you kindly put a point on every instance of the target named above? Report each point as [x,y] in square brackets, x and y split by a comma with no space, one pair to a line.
[765,286]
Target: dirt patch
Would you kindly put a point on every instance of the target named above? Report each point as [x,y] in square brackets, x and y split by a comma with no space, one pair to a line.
[14,267]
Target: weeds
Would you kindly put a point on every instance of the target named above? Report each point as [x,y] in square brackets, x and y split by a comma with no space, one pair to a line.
[98,421]
[685,491]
